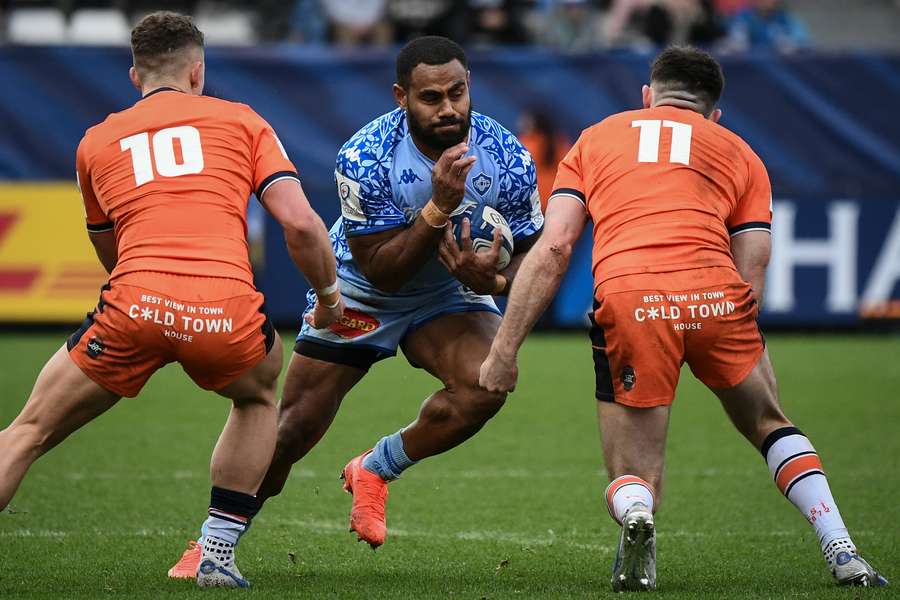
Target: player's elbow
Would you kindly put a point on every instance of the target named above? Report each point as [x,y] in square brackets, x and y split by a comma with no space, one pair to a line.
[557,253]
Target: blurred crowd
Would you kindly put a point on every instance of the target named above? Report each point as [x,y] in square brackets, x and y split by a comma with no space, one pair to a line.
[563,25]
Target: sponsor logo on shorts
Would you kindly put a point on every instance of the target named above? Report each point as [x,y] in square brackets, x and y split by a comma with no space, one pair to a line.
[354,324]
[95,347]
[686,310]
[628,378]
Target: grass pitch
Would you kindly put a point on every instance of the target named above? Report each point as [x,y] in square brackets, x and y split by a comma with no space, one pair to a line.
[517,512]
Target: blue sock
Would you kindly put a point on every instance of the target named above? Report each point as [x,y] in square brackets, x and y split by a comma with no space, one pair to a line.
[388,459]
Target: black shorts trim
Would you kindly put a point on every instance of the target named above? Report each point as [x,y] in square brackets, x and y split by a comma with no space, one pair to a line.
[604,389]
[73,339]
[351,356]
[268,329]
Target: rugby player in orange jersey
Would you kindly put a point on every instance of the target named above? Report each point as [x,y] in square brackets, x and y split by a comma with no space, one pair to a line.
[681,209]
[165,185]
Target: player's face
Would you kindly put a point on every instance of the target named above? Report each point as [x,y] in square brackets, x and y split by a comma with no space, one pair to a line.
[437,104]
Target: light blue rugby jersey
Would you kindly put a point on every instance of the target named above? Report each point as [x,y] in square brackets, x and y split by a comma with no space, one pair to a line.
[383,182]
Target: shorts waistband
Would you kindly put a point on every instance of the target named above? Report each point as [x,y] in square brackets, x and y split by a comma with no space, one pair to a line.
[192,288]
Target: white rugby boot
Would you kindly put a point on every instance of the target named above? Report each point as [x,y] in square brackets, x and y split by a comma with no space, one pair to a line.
[635,565]
[849,568]
[217,568]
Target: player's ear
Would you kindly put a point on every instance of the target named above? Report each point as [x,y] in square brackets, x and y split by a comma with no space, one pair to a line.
[715,115]
[135,79]
[400,95]
[646,96]
[198,76]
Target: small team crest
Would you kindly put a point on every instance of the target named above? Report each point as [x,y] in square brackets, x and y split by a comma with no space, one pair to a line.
[482,183]
[344,191]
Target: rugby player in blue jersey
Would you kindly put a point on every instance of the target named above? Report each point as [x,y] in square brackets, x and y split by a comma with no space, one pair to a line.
[404,279]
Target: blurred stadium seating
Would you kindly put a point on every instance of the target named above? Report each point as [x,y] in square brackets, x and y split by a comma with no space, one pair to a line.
[821,119]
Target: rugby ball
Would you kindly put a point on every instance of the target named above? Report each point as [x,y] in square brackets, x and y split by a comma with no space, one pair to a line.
[483,220]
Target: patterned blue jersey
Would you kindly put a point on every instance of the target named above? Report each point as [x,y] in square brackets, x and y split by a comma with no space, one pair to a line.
[384,180]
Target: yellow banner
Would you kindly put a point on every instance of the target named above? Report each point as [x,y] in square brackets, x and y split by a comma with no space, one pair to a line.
[48,269]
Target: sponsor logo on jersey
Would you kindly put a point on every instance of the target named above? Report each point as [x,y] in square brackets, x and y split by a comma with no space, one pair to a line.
[482,183]
[354,324]
[409,176]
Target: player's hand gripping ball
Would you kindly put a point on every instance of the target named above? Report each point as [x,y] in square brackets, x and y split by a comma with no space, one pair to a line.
[483,220]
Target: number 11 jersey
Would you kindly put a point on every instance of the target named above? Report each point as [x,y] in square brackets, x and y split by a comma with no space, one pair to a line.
[666,189]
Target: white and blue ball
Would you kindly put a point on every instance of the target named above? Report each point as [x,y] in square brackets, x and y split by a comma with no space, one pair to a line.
[483,220]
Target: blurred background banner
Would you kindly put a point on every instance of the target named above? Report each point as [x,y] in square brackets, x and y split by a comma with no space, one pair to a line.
[823,123]
[48,269]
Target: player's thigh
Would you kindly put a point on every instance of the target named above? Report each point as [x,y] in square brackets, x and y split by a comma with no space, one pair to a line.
[452,346]
[315,386]
[637,357]
[260,380]
[63,399]
[634,440]
[752,405]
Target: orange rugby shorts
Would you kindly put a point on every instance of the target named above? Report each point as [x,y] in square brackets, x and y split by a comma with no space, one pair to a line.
[646,326]
[215,328]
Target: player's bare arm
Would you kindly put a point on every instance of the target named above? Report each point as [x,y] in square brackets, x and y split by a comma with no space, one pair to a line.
[391,258]
[751,251]
[539,277]
[308,245]
[105,246]
[478,270]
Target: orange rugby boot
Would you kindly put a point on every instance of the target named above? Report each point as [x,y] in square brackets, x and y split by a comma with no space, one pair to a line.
[369,496]
[187,565]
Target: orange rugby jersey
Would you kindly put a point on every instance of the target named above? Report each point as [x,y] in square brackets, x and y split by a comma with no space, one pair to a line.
[665,188]
[173,175]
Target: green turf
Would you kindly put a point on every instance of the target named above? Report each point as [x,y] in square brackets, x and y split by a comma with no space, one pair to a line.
[517,512]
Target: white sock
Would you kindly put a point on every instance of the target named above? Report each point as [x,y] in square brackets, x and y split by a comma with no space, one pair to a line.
[626,491]
[798,473]
[218,549]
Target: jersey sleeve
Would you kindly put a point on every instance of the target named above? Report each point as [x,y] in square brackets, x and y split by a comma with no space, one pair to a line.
[519,200]
[364,189]
[753,211]
[270,160]
[569,178]
[95,217]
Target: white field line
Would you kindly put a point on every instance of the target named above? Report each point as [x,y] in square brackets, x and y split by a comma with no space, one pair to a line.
[334,528]
[480,473]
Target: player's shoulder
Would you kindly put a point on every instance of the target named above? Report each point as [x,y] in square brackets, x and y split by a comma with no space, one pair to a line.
[501,145]
[488,134]
[600,131]
[369,152]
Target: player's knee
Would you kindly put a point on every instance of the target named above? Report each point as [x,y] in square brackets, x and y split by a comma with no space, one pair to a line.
[480,405]
[28,438]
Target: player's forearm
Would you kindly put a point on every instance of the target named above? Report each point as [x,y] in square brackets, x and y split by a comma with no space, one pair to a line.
[397,260]
[511,271]
[537,280]
[310,248]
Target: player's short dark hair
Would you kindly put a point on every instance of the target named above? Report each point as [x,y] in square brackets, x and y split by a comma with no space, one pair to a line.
[428,50]
[158,37]
[691,70]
